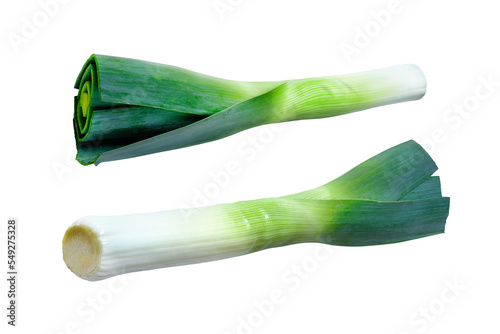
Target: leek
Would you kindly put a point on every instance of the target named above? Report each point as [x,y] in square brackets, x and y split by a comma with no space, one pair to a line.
[127,108]
[389,198]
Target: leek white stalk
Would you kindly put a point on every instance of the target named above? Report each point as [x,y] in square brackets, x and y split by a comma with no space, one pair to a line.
[392,198]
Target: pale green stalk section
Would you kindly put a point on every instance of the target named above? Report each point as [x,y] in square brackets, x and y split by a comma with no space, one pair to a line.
[337,95]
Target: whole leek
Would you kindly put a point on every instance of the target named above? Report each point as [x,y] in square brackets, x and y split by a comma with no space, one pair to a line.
[389,198]
[127,108]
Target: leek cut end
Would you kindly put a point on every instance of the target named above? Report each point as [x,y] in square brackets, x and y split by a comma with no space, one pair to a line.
[81,250]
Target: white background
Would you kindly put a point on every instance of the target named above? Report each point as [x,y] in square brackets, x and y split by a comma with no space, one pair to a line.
[401,288]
